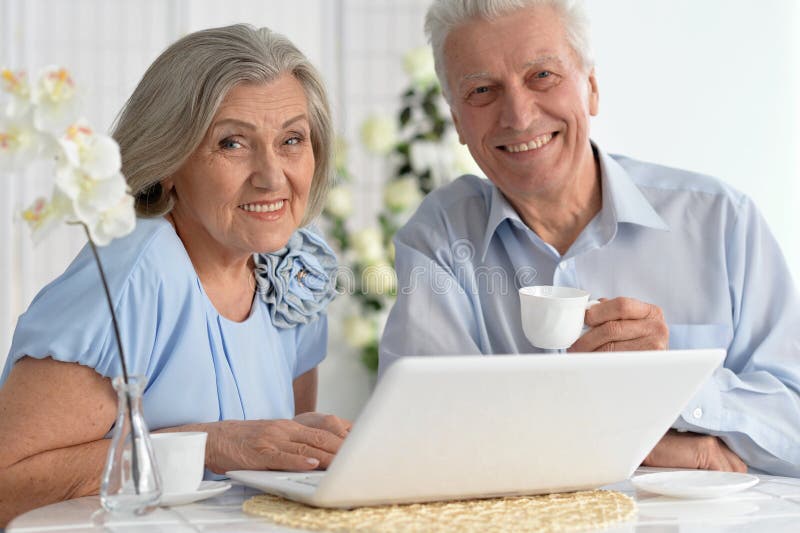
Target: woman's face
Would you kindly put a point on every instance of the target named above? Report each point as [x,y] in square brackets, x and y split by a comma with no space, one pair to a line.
[245,188]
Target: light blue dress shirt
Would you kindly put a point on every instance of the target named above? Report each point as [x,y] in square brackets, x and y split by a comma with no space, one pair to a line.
[200,366]
[685,242]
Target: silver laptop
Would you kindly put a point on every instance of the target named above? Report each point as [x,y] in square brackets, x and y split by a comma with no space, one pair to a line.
[457,427]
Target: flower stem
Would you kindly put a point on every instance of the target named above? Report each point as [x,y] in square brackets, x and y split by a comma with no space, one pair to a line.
[134,454]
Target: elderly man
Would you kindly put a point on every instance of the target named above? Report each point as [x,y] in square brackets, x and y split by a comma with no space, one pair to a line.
[682,260]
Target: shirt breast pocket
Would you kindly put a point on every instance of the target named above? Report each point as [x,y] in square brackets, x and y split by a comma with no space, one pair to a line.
[695,336]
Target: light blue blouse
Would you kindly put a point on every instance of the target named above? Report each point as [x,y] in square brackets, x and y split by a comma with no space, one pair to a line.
[200,366]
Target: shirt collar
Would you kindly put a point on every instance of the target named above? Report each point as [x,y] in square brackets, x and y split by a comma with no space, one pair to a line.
[622,202]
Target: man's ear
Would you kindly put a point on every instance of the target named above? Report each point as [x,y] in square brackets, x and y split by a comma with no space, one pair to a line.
[594,94]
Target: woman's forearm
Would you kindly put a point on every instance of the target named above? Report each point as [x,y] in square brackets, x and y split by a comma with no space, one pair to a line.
[50,477]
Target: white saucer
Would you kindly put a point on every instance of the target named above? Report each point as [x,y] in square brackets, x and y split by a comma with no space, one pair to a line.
[694,484]
[206,489]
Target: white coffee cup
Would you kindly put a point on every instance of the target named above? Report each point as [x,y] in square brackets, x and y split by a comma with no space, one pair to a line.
[552,317]
[180,459]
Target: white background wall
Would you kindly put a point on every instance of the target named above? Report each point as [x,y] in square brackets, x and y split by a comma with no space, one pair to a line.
[709,85]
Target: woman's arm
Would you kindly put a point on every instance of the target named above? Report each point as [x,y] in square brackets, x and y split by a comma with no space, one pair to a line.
[305,392]
[53,417]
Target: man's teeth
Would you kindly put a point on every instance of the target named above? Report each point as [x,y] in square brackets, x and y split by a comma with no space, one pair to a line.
[262,208]
[538,142]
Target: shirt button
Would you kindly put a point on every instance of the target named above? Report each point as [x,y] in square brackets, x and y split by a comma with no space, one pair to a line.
[697,413]
[562,266]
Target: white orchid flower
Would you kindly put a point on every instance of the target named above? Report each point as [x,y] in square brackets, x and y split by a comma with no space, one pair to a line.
[379,134]
[368,246]
[55,100]
[20,143]
[43,215]
[340,202]
[116,221]
[418,64]
[15,84]
[90,197]
[95,154]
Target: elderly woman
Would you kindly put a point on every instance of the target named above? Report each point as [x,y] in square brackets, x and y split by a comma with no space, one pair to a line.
[226,144]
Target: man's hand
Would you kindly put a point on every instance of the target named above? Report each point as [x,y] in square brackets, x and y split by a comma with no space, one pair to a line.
[691,450]
[622,325]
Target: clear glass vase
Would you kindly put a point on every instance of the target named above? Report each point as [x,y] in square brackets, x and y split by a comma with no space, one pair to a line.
[130,478]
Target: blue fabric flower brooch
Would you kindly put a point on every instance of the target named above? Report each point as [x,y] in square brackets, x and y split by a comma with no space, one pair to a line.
[298,281]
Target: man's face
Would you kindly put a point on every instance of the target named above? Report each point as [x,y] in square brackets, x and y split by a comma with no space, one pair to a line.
[521,101]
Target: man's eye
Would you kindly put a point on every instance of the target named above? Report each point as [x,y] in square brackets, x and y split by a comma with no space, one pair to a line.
[544,74]
[229,144]
[480,90]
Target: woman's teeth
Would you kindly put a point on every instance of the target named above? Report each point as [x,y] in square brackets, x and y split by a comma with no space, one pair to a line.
[262,208]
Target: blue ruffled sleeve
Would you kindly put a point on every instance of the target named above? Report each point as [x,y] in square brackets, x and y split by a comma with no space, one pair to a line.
[69,319]
[312,343]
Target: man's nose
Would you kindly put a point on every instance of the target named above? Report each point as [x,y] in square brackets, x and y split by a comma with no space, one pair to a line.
[267,172]
[519,109]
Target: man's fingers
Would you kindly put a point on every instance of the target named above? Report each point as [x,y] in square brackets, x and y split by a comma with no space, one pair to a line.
[621,309]
[620,335]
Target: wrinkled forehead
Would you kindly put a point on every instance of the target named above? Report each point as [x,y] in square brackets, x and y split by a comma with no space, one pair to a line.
[514,40]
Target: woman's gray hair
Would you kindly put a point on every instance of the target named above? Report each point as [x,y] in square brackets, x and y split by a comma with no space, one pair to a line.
[171,109]
[445,15]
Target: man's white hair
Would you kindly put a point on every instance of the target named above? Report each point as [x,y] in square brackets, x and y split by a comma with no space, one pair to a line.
[446,15]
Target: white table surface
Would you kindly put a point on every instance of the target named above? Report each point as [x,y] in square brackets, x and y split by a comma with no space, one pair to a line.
[771,506]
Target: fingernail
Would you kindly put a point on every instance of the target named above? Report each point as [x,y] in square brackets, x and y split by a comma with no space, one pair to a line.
[312,462]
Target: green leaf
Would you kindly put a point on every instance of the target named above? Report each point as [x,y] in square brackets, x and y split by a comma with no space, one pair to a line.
[370,357]
[405,116]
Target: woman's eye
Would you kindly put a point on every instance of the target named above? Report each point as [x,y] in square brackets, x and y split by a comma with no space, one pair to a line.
[229,144]
[295,140]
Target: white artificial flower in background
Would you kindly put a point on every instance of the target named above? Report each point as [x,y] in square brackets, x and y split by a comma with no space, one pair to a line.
[340,202]
[379,134]
[43,215]
[402,195]
[462,161]
[418,64]
[55,100]
[360,331]
[20,143]
[368,246]
[15,84]
[428,155]
[340,149]
[379,279]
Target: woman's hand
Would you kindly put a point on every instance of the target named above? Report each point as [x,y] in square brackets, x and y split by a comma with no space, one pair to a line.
[308,442]
[334,424]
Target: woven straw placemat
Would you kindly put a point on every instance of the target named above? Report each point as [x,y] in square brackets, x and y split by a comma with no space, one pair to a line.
[574,511]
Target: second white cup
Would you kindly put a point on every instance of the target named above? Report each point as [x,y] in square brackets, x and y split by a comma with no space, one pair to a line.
[552,317]
[180,458]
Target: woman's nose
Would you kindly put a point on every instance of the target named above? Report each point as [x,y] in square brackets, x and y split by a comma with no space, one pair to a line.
[267,173]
